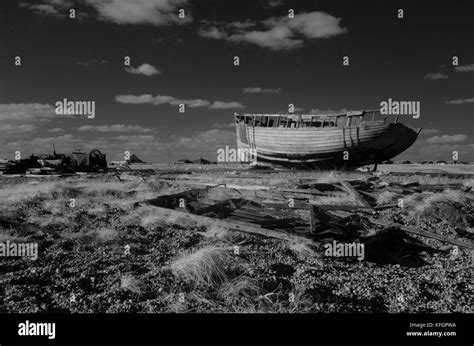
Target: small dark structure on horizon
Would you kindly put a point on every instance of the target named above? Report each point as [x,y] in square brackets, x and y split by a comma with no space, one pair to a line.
[202,161]
[199,161]
[77,161]
[134,159]
[182,162]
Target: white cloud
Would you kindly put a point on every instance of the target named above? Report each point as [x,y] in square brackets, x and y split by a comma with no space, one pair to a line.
[311,25]
[21,112]
[295,109]
[154,12]
[144,69]
[43,9]
[135,138]
[146,98]
[275,3]
[56,129]
[193,103]
[223,126]
[277,38]
[226,105]
[429,131]
[18,128]
[92,62]
[447,139]
[160,99]
[164,99]
[327,111]
[212,32]
[113,128]
[280,32]
[241,25]
[460,101]
[257,90]
[464,68]
[207,140]
[436,75]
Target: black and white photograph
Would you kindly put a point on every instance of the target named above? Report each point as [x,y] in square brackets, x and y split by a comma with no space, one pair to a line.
[236,159]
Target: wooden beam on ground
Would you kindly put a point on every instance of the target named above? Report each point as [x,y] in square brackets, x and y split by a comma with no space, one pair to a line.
[231,225]
[386,206]
[356,194]
[427,234]
[318,215]
[274,189]
[351,208]
[312,218]
[233,186]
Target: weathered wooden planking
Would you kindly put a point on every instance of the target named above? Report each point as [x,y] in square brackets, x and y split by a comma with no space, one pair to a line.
[356,194]
[275,189]
[424,233]
[231,225]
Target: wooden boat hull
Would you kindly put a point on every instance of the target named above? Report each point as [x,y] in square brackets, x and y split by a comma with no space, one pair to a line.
[326,147]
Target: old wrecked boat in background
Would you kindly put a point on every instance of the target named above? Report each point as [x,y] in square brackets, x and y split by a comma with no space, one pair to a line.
[345,140]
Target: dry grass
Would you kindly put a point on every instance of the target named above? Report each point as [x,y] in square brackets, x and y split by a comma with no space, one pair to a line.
[11,235]
[430,204]
[240,289]
[221,233]
[151,217]
[386,197]
[469,183]
[18,193]
[413,199]
[49,221]
[105,234]
[131,284]
[301,248]
[203,267]
[77,235]
[97,210]
[221,194]
[450,205]
[331,177]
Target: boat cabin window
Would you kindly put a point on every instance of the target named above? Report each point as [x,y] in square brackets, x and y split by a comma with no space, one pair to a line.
[277,121]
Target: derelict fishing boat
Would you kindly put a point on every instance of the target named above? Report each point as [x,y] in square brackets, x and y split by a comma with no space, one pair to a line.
[346,140]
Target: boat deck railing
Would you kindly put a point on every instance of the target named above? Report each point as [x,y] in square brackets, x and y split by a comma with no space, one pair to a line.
[343,119]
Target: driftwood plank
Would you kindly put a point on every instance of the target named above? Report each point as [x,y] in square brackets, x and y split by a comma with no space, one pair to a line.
[386,206]
[275,189]
[312,218]
[231,225]
[424,233]
[356,194]
[345,207]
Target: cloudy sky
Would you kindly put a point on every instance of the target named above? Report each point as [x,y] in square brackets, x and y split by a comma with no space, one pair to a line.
[183,52]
